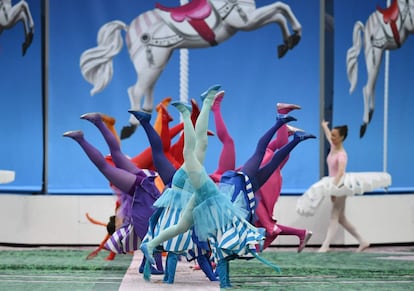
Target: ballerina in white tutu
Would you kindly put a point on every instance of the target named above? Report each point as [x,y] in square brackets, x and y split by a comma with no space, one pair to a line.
[339,183]
[337,160]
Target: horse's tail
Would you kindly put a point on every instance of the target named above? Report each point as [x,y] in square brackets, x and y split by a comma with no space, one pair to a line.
[352,55]
[96,63]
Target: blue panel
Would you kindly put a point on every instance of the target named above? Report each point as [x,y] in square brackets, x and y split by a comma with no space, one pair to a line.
[246,65]
[371,153]
[21,144]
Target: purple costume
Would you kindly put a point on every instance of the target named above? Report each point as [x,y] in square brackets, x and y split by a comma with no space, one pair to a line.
[128,178]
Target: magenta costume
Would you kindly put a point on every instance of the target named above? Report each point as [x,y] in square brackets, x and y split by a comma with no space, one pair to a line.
[257,173]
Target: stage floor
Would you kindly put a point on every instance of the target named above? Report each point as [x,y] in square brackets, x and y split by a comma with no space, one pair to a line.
[60,268]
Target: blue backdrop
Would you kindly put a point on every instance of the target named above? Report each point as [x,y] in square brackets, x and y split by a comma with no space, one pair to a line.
[246,66]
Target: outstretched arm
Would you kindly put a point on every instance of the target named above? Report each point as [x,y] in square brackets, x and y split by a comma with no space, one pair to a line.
[326,130]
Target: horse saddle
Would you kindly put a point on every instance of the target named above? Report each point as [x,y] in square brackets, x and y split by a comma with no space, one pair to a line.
[390,15]
[196,9]
[192,20]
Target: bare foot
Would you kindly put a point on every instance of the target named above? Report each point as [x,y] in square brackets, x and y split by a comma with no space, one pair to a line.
[362,247]
[323,250]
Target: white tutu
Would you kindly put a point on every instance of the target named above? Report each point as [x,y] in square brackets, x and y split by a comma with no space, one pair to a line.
[350,184]
[6,176]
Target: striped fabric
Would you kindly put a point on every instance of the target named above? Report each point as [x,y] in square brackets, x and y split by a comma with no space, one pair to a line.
[124,240]
[249,194]
[179,243]
[150,173]
[237,239]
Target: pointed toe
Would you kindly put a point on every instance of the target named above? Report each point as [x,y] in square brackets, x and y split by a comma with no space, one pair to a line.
[140,115]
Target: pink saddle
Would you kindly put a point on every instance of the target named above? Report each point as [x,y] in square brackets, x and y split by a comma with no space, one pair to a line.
[196,9]
[390,13]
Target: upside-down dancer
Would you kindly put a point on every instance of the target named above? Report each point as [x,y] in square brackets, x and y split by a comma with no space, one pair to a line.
[211,213]
[269,193]
[129,179]
[169,209]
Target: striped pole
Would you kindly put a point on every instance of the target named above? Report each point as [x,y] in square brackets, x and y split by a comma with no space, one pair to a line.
[386,77]
[184,67]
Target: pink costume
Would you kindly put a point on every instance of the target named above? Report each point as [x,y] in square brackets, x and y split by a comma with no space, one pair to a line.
[269,194]
[227,160]
[334,159]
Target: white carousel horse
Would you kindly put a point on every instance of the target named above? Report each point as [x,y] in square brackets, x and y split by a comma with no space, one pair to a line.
[152,36]
[11,15]
[385,29]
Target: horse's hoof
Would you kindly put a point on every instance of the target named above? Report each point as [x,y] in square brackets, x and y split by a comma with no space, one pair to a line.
[294,40]
[24,48]
[371,112]
[27,42]
[127,131]
[281,50]
[362,130]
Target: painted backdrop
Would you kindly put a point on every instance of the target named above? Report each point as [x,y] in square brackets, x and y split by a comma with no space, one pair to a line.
[246,66]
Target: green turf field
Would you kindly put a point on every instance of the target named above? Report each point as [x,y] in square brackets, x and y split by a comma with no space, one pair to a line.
[41,269]
[340,270]
[57,269]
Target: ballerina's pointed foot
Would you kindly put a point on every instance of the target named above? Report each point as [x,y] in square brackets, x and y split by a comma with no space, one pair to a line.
[217,100]
[165,114]
[92,117]
[324,250]
[304,240]
[75,134]
[285,118]
[285,108]
[140,115]
[181,106]
[302,135]
[362,247]
[108,119]
[211,92]
[166,101]
[292,129]
[147,253]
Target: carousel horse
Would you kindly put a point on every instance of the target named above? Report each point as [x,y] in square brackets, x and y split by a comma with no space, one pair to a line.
[11,15]
[152,37]
[385,29]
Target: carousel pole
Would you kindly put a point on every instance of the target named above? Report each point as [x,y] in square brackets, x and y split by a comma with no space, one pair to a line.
[386,88]
[184,67]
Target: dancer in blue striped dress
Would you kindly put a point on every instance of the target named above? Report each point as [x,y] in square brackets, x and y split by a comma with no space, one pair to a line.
[210,211]
[169,208]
